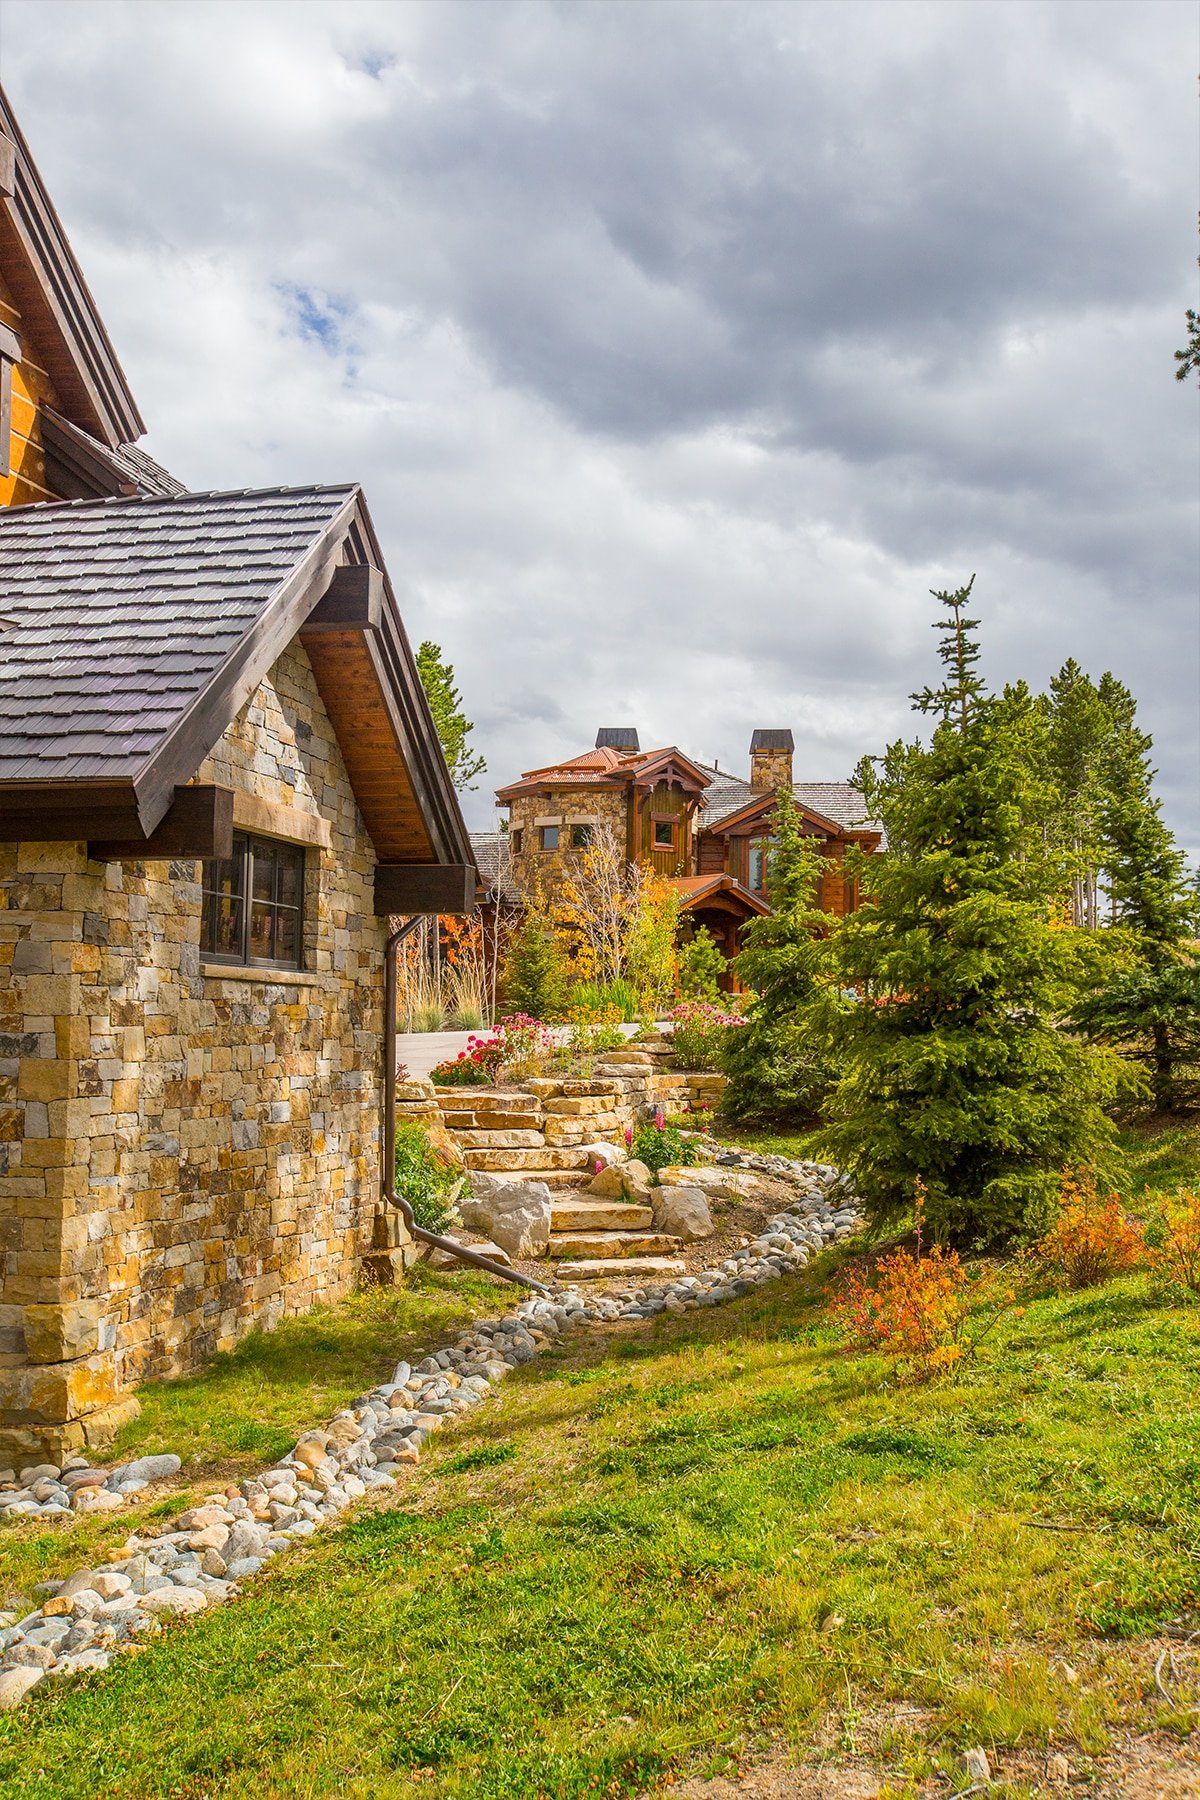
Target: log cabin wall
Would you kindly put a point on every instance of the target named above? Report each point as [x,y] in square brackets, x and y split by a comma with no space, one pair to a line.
[24,484]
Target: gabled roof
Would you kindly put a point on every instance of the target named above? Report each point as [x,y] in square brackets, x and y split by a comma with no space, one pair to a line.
[605,767]
[492,853]
[134,631]
[699,890]
[54,300]
[838,803]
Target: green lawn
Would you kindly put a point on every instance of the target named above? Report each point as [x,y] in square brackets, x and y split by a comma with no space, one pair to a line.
[247,1408]
[661,1546]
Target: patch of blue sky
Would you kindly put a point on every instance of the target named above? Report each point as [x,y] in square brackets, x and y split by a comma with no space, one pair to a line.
[319,318]
[374,63]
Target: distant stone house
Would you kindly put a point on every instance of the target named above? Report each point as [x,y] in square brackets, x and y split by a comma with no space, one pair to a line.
[219,779]
[707,831]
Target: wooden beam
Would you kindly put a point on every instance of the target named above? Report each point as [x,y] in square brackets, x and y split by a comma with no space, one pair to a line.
[198,823]
[353,598]
[424,888]
[272,820]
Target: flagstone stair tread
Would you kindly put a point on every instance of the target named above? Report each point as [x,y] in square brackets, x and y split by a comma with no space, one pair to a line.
[614,1244]
[582,1214]
[598,1268]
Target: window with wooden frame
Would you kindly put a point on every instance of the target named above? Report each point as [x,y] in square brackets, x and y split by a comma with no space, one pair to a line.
[760,864]
[664,834]
[549,837]
[253,904]
[516,839]
[581,837]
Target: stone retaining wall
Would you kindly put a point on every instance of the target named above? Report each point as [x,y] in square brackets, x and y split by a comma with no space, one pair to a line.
[542,1125]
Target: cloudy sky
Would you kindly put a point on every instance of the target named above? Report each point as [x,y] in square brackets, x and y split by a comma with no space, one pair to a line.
[680,348]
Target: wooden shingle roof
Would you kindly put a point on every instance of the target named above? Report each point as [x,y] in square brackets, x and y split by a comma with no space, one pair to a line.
[133,630]
[117,613]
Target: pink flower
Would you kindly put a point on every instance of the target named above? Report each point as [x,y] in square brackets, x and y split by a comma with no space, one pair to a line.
[597,1165]
[629,1137]
[659,1119]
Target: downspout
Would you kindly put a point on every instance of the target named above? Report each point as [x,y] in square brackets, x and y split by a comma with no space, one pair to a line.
[388,1169]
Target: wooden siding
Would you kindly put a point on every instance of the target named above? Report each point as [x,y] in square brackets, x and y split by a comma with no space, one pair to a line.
[665,802]
[711,859]
[25,482]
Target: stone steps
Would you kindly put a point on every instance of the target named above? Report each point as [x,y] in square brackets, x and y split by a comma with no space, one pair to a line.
[524,1162]
[611,1245]
[593,1269]
[584,1214]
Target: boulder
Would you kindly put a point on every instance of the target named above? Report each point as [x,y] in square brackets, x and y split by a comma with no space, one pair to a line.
[517,1216]
[682,1212]
[607,1154]
[609,1184]
[639,1182]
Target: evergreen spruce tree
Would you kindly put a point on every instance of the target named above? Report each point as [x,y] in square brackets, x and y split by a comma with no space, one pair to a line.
[956,1071]
[534,976]
[702,963]
[453,726]
[1151,1010]
[778,1064]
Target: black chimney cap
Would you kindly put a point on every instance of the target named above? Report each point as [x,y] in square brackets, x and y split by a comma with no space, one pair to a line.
[617,737]
[772,740]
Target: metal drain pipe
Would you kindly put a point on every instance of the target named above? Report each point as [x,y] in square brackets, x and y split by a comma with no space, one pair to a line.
[391,987]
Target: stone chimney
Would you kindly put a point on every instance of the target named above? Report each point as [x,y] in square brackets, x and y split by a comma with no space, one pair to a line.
[771,759]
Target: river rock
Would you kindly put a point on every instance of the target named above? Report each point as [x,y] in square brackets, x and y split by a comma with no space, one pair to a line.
[174,1600]
[16,1683]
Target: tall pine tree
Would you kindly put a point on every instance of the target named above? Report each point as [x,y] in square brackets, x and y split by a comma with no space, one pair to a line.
[778,1064]
[453,726]
[1152,1010]
[956,1071]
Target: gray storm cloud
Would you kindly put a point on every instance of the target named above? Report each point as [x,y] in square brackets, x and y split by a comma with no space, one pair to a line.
[680,348]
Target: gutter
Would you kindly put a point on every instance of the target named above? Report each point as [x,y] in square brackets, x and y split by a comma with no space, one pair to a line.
[388,1160]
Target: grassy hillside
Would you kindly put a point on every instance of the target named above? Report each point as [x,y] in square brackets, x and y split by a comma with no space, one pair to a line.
[664,1546]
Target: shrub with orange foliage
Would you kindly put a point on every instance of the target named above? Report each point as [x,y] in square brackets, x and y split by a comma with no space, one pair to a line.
[926,1309]
[1173,1238]
[1092,1239]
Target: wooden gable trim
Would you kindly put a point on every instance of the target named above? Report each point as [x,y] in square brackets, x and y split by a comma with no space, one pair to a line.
[51,294]
[78,467]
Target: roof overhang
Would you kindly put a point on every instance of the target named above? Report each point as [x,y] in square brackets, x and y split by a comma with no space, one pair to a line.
[54,300]
[719,893]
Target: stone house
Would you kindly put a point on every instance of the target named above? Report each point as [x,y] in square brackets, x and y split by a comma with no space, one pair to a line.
[219,779]
[702,828]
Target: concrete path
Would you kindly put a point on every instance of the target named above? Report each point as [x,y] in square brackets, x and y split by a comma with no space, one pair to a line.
[420,1051]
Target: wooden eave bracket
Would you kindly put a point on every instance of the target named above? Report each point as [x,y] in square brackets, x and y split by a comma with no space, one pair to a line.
[198,823]
[408,888]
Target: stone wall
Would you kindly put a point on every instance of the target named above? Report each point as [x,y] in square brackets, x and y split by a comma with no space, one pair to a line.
[533,868]
[185,1151]
[539,1128]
